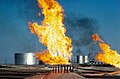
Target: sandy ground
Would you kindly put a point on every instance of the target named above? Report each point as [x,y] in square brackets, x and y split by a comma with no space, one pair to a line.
[56,76]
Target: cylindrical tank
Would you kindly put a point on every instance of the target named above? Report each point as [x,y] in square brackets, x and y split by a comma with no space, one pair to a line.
[85,59]
[25,59]
[80,59]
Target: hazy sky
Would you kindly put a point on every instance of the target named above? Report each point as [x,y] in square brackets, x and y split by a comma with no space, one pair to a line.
[16,37]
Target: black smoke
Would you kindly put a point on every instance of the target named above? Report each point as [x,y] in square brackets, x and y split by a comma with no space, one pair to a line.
[80,29]
[15,35]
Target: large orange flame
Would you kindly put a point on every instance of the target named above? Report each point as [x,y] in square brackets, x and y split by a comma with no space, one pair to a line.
[52,34]
[106,55]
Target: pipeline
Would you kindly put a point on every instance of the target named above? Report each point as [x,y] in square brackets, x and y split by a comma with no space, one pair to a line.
[62,68]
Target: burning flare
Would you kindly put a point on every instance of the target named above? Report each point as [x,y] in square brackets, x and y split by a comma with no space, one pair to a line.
[106,55]
[52,34]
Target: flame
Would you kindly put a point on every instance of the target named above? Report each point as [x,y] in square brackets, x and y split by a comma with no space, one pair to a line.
[107,55]
[52,34]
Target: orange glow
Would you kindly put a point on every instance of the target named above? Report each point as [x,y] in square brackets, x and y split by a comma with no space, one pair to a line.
[52,34]
[106,55]
[48,59]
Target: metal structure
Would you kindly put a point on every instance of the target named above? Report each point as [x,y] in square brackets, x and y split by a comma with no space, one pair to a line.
[25,59]
[81,59]
[62,68]
[85,59]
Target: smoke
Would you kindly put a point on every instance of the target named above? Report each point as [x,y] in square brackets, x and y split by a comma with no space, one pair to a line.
[87,26]
[15,35]
[80,29]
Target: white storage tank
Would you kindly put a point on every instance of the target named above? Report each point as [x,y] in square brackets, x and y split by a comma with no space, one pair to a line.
[81,59]
[85,59]
[25,59]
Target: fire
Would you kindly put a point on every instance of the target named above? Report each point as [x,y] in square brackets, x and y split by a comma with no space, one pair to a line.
[51,33]
[107,55]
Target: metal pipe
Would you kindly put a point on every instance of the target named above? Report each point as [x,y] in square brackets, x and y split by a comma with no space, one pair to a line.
[58,68]
[53,69]
[61,68]
[70,67]
[67,68]
[64,68]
